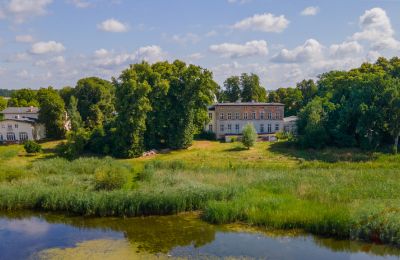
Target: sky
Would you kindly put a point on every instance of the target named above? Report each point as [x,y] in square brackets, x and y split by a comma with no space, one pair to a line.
[57,42]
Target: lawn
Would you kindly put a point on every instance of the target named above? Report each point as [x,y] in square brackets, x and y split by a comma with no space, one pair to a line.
[337,192]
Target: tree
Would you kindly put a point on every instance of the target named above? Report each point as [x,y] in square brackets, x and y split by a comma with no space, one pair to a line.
[132,106]
[232,89]
[249,137]
[66,93]
[251,89]
[73,113]
[95,101]
[292,98]
[23,98]
[392,111]
[308,90]
[52,112]
[3,104]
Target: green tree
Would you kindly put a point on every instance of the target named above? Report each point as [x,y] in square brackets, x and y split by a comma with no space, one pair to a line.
[73,113]
[132,107]
[24,98]
[52,112]
[249,136]
[66,93]
[232,89]
[308,90]
[251,88]
[392,111]
[3,103]
[95,101]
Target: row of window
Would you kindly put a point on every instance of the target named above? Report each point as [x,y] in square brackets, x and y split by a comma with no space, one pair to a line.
[237,128]
[10,126]
[23,136]
[253,115]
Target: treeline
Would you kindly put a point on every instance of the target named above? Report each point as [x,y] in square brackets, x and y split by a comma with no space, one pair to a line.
[356,108]
[148,106]
[6,92]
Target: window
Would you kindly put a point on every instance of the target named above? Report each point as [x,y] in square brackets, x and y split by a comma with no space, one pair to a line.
[222,128]
[237,127]
[253,115]
[210,115]
[276,127]
[1,137]
[221,116]
[16,126]
[10,137]
[3,126]
[262,115]
[262,128]
[278,115]
[269,115]
[229,116]
[23,136]
[229,128]
[237,115]
[245,116]
[210,128]
[269,130]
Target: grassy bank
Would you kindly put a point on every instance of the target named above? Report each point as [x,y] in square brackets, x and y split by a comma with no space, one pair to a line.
[343,193]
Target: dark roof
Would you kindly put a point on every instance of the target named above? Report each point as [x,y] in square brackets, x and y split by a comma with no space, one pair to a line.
[24,120]
[249,104]
[20,110]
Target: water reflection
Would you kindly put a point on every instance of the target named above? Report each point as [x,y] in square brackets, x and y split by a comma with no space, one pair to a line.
[27,234]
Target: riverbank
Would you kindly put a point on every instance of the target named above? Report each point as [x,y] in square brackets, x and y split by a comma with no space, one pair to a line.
[343,193]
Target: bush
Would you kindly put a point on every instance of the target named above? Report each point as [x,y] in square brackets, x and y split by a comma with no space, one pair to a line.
[32,147]
[111,177]
[206,135]
[249,136]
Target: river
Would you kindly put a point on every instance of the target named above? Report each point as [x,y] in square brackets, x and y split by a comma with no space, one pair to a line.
[27,235]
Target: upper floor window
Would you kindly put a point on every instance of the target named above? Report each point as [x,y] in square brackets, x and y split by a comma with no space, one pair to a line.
[245,116]
[237,115]
[278,115]
[210,115]
[222,128]
[229,116]
[221,116]
[262,115]
[269,115]
[253,115]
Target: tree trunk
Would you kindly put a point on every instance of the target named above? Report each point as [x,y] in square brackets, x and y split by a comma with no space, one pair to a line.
[396,144]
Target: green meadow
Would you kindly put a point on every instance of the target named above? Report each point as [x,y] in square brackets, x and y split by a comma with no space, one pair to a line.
[344,193]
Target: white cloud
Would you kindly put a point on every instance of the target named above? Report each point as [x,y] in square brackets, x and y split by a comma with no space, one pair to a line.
[195,56]
[377,29]
[26,38]
[266,22]
[310,50]
[186,38]
[47,47]
[211,33]
[21,56]
[345,49]
[310,11]
[233,50]
[20,10]
[110,59]
[112,25]
[59,60]
[80,3]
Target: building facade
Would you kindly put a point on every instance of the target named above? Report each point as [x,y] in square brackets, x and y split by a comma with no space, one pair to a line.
[20,124]
[229,119]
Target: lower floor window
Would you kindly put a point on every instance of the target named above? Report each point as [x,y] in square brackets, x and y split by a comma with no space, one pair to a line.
[210,128]
[229,127]
[1,137]
[237,127]
[222,128]
[261,128]
[269,128]
[10,137]
[277,127]
[23,136]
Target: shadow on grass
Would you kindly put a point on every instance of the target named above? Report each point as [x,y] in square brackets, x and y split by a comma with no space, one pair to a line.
[330,155]
[236,149]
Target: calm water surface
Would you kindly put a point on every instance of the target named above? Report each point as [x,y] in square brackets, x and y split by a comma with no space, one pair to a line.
[49,236]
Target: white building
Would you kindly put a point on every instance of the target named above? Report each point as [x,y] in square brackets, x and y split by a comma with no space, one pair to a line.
[20,124]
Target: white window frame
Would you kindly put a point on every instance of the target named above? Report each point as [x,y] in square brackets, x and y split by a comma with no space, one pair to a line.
[253,115]
[23,136]
[229,116]
[262,115]
[277,127]
[221,116]
[237,116]
[222,128]
[245,116]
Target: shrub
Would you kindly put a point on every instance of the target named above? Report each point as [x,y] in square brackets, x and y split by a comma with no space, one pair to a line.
[111,177]
[249,136]
[32,147]
[206,135]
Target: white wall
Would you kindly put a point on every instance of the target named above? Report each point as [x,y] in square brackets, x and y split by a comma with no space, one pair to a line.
[34,132]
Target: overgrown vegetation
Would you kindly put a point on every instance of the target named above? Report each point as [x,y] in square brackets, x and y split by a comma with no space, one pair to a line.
[345,193]
[32,147]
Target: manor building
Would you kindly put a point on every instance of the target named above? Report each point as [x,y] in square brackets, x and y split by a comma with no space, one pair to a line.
[20,124]
[227,120]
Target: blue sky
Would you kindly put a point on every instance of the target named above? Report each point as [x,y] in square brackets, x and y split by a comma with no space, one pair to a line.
[57,42]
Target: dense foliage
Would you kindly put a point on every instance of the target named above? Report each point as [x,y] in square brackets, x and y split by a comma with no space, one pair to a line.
[360,107]
[249,137]
[32,147]
[6,92]
[245,88]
